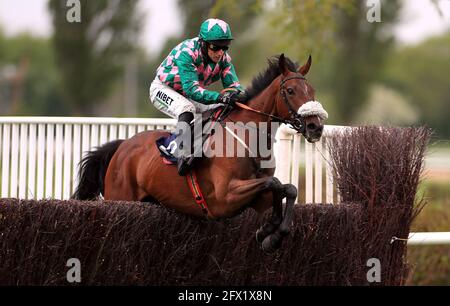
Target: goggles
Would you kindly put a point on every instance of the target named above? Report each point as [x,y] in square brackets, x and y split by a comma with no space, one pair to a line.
[215,48]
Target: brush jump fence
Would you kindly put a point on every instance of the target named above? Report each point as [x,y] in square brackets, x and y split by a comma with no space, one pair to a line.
[39,158]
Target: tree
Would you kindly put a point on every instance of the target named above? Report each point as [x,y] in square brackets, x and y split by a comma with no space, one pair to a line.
[307,26]
[420,73]
[29,81]
[361,52]
[90,54]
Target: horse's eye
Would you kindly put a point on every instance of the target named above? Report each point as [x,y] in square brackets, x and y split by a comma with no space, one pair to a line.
[290,91]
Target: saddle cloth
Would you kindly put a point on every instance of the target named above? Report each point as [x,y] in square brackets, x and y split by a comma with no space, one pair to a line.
[163,145]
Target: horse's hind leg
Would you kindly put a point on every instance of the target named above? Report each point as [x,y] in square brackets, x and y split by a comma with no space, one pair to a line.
[272,242]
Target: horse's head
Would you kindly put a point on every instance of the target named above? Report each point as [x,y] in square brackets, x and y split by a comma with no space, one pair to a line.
[296,101]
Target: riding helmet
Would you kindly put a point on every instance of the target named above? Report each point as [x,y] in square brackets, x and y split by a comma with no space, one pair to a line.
[215,29]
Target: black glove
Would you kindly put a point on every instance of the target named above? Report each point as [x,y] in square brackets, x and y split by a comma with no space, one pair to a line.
[229,97]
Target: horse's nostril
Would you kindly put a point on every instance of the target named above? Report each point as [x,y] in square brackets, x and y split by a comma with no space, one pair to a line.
[314,128]
[311,126]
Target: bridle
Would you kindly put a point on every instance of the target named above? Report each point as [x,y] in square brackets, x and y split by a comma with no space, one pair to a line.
[295,120]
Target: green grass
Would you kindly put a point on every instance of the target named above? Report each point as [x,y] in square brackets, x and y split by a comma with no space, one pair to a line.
[440,144]
[431,264]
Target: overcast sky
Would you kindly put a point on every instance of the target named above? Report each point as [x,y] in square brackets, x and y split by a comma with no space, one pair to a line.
[419,20]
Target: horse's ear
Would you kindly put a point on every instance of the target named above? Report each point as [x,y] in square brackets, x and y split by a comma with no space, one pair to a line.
[282,65]
[305,68]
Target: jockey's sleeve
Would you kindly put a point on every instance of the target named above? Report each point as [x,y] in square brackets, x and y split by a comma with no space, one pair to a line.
[229,77]
[189,81]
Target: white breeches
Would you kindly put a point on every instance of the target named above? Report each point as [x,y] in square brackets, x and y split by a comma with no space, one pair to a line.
[172,103]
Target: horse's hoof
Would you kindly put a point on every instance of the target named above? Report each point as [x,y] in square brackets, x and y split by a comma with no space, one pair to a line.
[269,246]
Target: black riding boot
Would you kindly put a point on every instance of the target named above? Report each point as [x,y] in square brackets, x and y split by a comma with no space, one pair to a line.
[185,155]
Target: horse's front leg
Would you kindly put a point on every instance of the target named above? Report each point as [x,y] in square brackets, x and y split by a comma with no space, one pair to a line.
[274,194]
[243,192]
[273,241]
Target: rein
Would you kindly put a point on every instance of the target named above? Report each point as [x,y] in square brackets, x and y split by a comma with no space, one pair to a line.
[243,106]
[296,120]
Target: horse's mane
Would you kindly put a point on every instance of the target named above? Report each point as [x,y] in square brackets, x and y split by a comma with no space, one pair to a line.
[262,80]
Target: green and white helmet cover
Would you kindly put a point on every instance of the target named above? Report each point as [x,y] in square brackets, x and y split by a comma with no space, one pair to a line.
[215,29]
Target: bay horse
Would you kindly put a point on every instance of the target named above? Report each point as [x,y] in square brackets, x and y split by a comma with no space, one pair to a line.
[132,169]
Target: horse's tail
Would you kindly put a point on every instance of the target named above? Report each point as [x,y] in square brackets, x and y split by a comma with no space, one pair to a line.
[92,171]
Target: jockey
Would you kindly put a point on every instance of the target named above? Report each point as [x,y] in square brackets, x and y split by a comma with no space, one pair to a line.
[179,87]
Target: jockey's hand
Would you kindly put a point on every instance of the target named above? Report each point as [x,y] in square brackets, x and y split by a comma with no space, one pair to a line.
[229,97]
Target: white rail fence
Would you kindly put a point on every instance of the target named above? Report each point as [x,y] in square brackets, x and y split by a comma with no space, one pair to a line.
[40,156]
[306,165]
